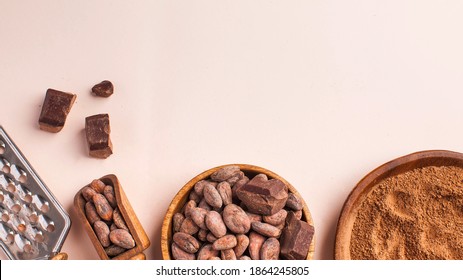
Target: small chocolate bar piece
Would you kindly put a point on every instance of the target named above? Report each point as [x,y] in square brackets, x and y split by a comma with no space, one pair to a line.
[97,130]
[263,196]
[103,89]
[296,238]
[55,109]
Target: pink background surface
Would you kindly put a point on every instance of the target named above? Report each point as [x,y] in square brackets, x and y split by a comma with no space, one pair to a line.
[320,92]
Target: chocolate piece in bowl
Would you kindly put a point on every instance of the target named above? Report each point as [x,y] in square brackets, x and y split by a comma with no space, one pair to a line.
[263,196]
[296,238]
[97,130]
[55,109]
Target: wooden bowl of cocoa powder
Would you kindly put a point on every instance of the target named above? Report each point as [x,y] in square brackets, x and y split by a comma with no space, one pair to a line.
[408,208]
[178,203]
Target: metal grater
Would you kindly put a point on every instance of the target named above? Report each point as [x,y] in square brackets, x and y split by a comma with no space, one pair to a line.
[33,223]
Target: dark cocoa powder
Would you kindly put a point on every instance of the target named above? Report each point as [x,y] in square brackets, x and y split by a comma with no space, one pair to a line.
[414,215]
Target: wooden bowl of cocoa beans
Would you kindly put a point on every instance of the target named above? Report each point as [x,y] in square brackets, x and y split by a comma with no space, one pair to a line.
[237,212]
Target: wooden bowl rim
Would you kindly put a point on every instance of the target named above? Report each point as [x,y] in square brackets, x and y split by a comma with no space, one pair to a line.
[246,168]
[347,216]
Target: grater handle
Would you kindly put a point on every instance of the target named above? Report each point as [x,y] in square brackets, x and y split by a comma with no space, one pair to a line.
[140,256]
[60,256]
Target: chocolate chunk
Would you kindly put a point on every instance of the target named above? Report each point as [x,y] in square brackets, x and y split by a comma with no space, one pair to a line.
[55,109]
[97,130]
[263,196]
[296,238]
[103,89]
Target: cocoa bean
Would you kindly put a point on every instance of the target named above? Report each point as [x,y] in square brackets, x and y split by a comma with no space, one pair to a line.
[108,192]
[245,258]
[266,229]
[236,219]
[114,250]
[211,237]
[225,173]
[203,204]
[88,193]
[261,176]
[214,259]
[255,243]
[198,216]
[90,212]
[217,209]
[225,242]
[298,214]
[187,208]
[199,186]
[212,196]
[254,217]
[188,226]
[215,224]
[122,238]
[186,242]
[195,197]
[224,190]
[276,219]
[270,250]
[179,254]
[228,254]
[232,181]
[280,226]
[202,234]
[242,243]
[177,221]
[102,232]
[207,252]
[113,227]
[104,210]
[293,202]
[97,185]
[119,220]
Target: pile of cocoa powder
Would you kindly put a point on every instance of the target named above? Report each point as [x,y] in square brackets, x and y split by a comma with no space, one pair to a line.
[413,215]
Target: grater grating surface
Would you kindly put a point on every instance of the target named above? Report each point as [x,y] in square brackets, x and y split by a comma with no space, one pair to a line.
[33,223]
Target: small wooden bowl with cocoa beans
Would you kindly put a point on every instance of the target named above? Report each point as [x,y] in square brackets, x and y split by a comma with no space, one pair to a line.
[237,212]
[110,221]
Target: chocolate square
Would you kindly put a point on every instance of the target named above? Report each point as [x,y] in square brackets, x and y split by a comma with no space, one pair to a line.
[262,196]
[97,130]
[296,238]
[56,107]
